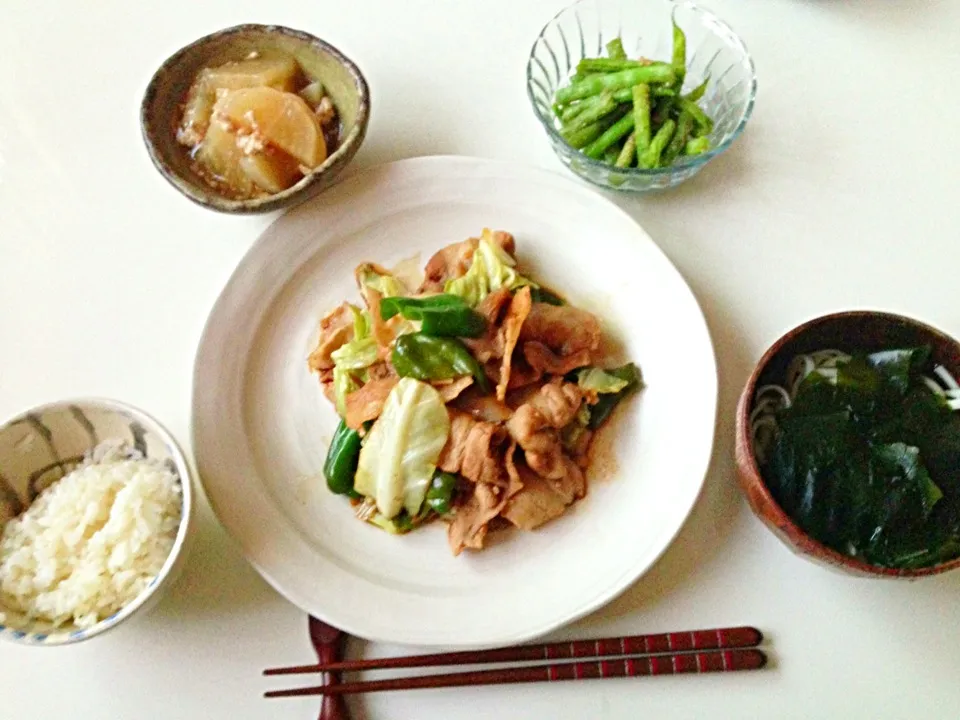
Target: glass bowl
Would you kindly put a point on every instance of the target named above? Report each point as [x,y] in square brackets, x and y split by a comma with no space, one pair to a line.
[713,49]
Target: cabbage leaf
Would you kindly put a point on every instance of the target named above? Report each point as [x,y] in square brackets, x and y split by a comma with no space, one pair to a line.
[401,450]
[492,268]
[343,384]
[384,283]
[356,355]
[361,351]
[599,380]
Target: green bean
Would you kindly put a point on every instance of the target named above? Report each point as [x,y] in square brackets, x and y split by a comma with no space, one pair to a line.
[651,158]
[615,49]
[587,135]
[622,96]
[596,111]
[570,112]
[641,121]
[661,112]
[703,124]
[609,65]
[629,151]
[596,84]
[679,140]
[697,146]
[577,77]
[628,112]
[613,133]
[626,95]
[698,91]
[679,54]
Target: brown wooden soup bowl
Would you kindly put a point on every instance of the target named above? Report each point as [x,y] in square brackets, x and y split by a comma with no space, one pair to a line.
[847,331]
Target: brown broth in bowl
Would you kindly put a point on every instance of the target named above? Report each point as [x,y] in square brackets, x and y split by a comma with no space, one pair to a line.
[257,126]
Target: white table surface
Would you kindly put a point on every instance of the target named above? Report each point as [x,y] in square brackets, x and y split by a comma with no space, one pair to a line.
[842,193]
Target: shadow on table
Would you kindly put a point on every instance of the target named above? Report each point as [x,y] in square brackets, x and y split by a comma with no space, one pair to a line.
[216,579]
[388,147]
[728,173]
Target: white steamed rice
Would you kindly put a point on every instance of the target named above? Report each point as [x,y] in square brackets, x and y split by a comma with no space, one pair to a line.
[89,544]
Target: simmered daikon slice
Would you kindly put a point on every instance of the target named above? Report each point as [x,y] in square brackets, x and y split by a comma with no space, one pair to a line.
[272,170]
[220,155]
[280,119]
[279,73]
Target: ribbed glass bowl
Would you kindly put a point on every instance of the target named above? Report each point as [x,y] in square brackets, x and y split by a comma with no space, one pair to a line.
[713,49]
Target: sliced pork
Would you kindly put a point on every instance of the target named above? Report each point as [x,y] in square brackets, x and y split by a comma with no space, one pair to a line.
[367,402]
[336,330]
[562,328]
[475,449]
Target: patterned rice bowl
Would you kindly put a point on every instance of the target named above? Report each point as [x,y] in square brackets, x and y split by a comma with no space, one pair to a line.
[42,445]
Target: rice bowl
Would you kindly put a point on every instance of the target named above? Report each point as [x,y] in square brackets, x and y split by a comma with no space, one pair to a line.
[102,496]
[89,544]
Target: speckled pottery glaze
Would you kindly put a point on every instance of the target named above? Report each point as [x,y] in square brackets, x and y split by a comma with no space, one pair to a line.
[848,331]
[42,445]
[163,100]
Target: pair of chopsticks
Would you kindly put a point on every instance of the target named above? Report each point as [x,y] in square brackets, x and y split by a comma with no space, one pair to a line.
[697,651]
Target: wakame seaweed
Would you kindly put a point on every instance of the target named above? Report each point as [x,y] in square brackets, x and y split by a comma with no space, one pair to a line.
[868,461]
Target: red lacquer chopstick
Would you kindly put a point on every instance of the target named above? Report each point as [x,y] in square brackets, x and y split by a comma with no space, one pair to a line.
[694,662]
[688,641]
[328,641]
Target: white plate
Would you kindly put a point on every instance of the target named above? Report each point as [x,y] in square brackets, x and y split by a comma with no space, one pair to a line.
[261,425]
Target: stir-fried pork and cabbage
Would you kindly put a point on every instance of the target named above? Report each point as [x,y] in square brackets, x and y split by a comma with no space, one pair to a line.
[472,398]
